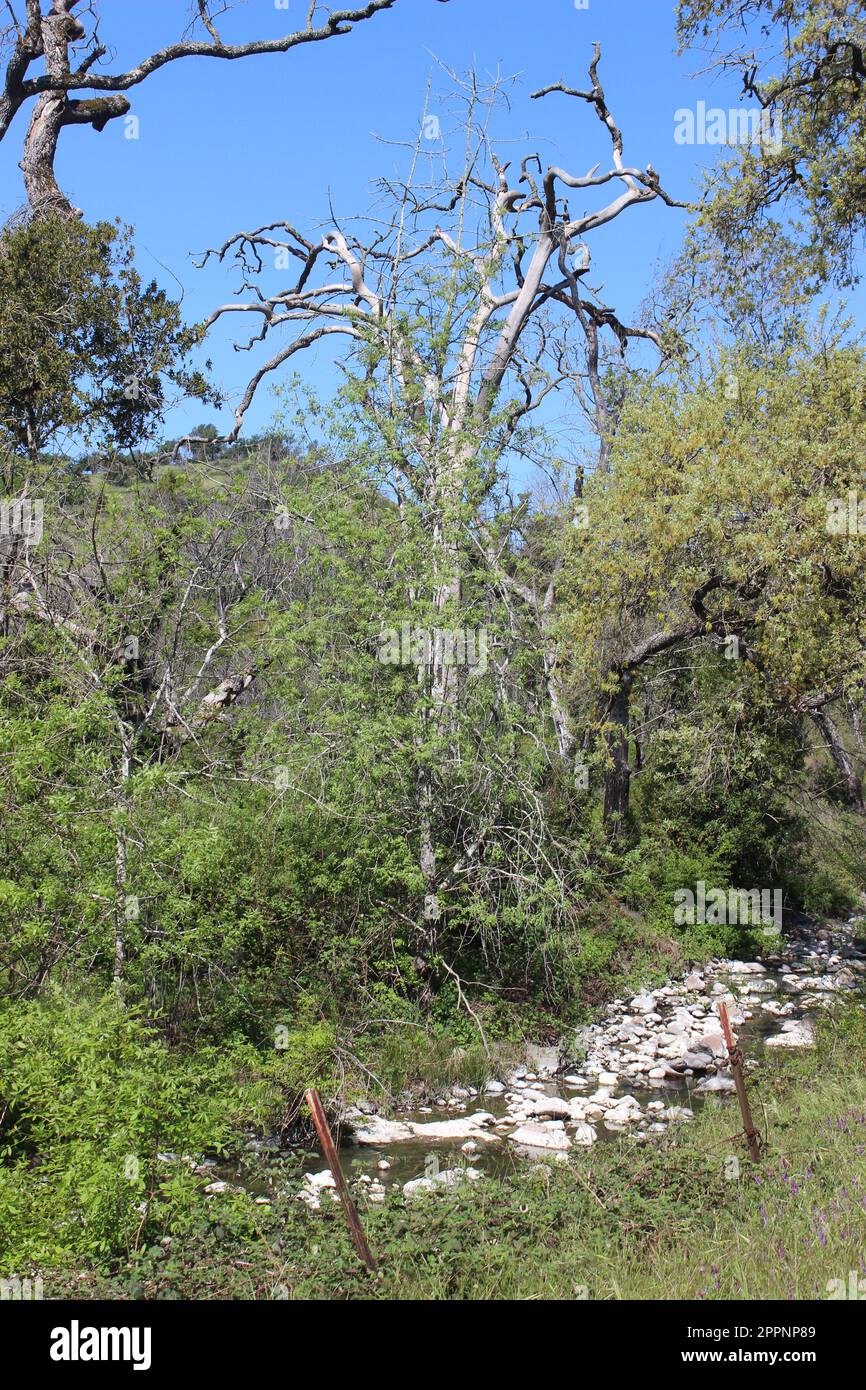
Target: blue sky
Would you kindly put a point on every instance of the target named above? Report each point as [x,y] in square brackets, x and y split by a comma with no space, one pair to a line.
[229,145]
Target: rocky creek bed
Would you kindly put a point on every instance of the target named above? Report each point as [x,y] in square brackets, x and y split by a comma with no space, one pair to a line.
[647,1065]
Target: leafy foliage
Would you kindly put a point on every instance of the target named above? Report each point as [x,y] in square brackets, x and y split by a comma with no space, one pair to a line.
[87,349]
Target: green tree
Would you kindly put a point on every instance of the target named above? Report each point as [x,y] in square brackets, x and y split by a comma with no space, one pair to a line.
[803,62]
[90,355]
[718,524]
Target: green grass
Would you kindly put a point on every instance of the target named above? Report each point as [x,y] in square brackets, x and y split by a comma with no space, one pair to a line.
[679,1220]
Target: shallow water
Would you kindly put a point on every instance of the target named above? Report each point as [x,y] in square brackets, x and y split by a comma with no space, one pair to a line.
[409,1157]
[417,1157]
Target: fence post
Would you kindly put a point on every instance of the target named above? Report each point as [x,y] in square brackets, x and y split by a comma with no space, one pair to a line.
[735,1057]
[311,1096]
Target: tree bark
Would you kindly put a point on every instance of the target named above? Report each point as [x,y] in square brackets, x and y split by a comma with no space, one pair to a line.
[826,726]
[59,30]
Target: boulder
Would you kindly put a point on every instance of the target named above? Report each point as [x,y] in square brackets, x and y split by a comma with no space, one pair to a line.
[416,1185]
[584,1135]
[467,1127]
[377,1130]
[714,1043]
[679,1112]
[534,1136]
[698,1059]
[620,1116]
[319,1180]
[716,1083]
[448,1177]
[550,1107]
[795,1033]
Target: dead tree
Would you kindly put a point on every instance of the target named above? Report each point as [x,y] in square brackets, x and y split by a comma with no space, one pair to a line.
[449,375]
[66,38]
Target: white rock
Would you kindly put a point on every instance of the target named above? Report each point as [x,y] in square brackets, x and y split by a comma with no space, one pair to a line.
[795,1033]
[319,1180]
[717,1083]
[469,1127]
[535,1136]
[452,1177]
[584,1135]
[448,1177]
[553,1106]
[621,1115]
[416,1185]
[377,1130]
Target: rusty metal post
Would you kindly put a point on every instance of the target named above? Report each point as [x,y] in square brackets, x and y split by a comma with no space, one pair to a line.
[735,1056]
[332,1159]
